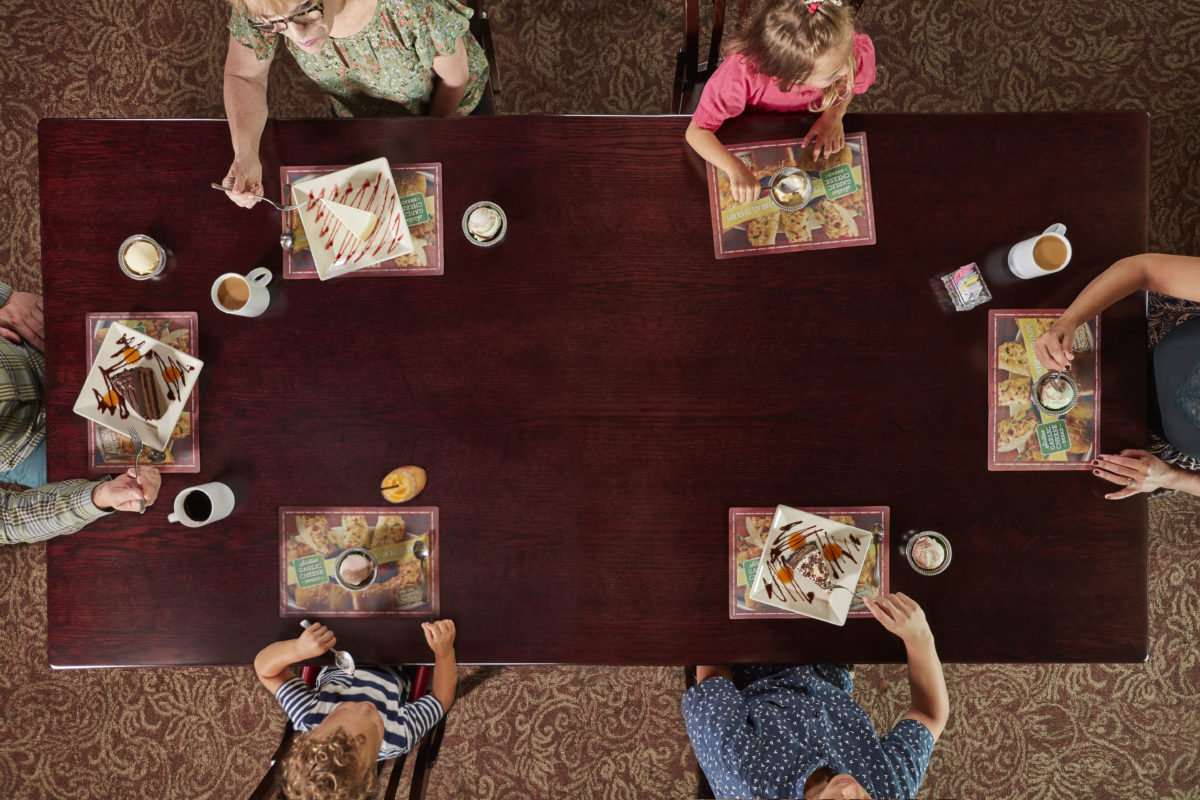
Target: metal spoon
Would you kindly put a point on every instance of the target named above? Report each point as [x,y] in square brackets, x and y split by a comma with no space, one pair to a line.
[267,200]
[421,552]
[877,538]
[286,240]
[341,658]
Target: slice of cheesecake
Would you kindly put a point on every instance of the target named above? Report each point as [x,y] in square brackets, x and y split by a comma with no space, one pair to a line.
[360,223]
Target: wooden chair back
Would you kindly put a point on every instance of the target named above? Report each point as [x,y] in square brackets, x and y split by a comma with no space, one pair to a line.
[481,29]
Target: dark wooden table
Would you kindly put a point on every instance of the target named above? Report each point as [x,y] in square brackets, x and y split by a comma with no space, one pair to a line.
[591,396]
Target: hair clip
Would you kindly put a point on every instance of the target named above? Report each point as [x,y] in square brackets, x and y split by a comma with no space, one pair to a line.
[815,4]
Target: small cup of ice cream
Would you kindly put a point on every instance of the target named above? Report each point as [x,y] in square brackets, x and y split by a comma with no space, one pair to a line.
[140,257]
[1055,393]
[928,553]
[355,568]
[484,224]
[791,188]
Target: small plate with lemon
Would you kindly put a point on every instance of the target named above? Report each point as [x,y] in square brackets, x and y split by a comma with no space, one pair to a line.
[168,372]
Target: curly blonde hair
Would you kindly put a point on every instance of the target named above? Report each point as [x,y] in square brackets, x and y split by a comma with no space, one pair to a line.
[327,768]
[784,40]
[264,9]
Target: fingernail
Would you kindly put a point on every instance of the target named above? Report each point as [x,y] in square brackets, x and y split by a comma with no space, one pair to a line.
[1095,462]
[1095,472]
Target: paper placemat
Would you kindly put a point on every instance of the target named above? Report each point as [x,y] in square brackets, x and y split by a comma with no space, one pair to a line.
[749,526]
[420,189]
[1020,436]
[840,214]
[312,537]
[109,451]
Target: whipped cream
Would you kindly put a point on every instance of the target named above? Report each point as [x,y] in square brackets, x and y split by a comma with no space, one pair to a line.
[484,223]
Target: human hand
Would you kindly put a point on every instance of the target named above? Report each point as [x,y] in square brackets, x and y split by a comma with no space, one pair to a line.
[21,319]
[440,636]
[742,183]
[1135,470]
[1054,347]
[828,135]
[315,640]
[124,492]
[901,615]
[244,179]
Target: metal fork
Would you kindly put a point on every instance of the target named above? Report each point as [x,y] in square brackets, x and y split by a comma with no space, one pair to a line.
[266,200]
[137,449]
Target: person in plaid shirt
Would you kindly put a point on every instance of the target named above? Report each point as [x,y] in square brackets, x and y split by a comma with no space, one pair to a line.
[53,509]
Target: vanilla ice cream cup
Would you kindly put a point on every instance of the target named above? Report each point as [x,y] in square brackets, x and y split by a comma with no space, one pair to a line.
[140,257]
[928,553]
[484,224]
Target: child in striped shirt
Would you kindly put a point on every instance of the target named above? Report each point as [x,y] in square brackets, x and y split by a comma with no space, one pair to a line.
[349,721]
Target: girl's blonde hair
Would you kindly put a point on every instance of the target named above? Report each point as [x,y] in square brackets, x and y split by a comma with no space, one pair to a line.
[784,40]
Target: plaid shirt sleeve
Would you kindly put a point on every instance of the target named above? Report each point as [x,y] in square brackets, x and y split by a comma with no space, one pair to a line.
[48,511]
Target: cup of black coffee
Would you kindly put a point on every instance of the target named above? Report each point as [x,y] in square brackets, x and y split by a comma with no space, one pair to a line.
[202,504]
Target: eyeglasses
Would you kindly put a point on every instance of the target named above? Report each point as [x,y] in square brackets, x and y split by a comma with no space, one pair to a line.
[301,20]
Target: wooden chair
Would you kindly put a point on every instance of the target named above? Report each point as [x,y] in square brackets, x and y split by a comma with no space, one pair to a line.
[481,29]
[690,72]
[270,788]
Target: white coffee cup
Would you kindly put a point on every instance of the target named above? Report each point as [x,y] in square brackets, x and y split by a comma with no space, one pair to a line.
[200,505]
[1044,254]
[244,295]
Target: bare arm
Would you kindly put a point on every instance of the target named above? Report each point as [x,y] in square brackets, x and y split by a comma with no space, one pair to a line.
[273,663]
[453,73]
[1178,276]
[440,637]
[927,685]
[1147,471]
[741,181]
[246,108]
[901,615]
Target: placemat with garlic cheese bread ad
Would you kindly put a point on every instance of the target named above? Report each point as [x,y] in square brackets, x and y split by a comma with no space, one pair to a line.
[1020,434]
[839,212]
[314,541]
[748,529]
[419,187]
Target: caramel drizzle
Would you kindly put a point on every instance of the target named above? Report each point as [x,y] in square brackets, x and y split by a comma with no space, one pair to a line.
[121,363]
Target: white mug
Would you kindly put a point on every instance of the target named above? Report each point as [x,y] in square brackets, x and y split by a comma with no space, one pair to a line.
[1044,254]
[244,295]
[202,504]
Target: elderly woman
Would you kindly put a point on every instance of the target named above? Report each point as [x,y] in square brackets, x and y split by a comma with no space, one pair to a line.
[374,57]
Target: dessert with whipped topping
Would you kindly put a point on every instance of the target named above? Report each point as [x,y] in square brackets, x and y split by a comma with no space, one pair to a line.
[484,223]
[141,257]
[790,188]
[810,562]
[355,569]
[928,553]
[1058,396]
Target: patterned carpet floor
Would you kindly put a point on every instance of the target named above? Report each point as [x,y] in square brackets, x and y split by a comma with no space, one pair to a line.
[1047,731]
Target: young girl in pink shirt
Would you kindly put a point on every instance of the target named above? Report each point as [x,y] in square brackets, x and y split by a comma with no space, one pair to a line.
[792,56]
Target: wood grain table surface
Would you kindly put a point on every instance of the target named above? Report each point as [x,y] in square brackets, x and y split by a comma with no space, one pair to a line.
[593,394]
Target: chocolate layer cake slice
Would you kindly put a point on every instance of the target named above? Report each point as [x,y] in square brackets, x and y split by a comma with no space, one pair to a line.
[140,390]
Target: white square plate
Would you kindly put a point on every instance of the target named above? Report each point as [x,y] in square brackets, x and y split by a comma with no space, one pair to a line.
[368,186]
[792,528]
[125,347]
